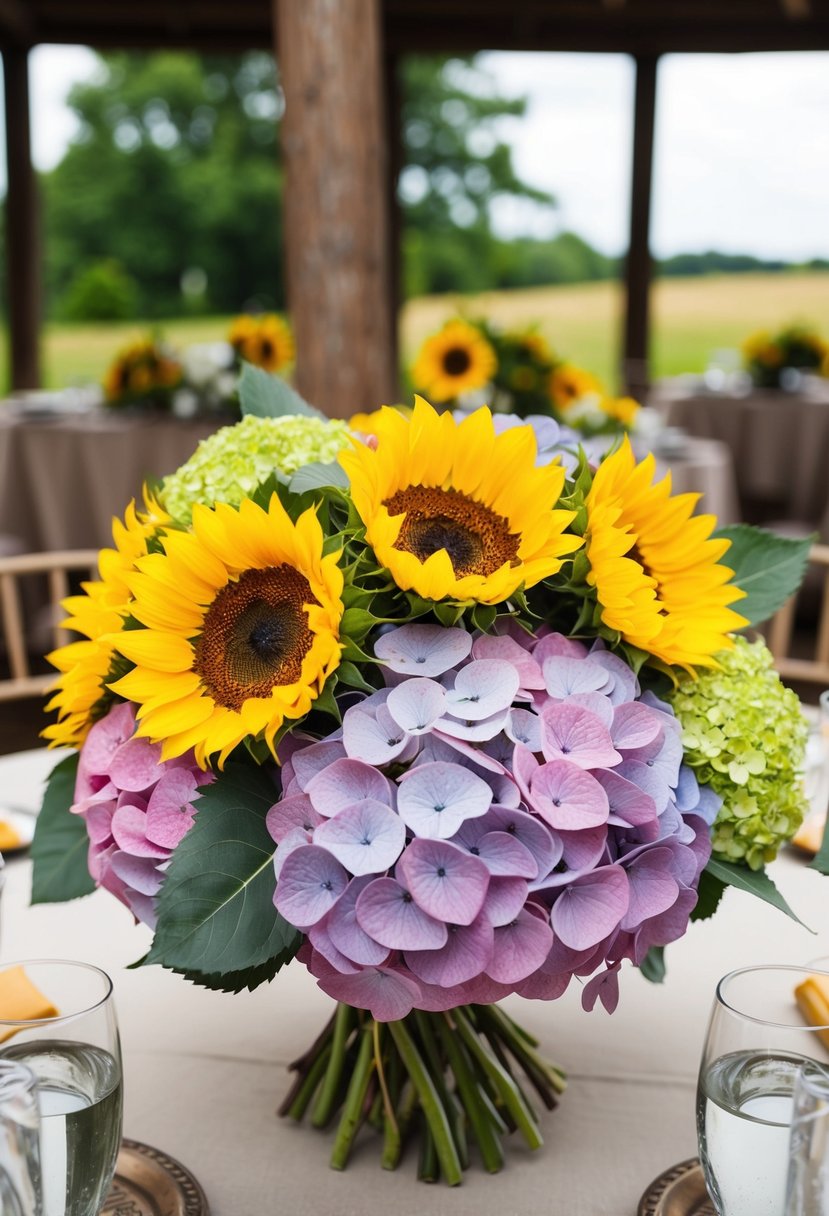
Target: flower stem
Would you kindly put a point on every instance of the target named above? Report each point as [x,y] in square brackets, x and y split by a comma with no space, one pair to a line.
[325,1103]
[308,1084]
[508,1090]
[353,1112]
[488,1142]
[432,1109]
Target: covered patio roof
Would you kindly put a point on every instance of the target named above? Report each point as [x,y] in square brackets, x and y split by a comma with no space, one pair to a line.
[341,138]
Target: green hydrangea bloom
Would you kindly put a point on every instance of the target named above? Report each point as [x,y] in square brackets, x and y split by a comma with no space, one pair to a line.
[745,736]
[228,466]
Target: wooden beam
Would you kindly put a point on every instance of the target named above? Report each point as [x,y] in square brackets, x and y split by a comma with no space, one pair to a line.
[16,22]
[395,161]
[330,59]
[22,236]
[635,370]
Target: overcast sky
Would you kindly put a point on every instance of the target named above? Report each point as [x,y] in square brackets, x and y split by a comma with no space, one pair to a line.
[742,145]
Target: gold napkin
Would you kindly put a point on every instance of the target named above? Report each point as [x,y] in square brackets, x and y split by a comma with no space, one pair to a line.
[10,838]
[812,997]
[21,1001]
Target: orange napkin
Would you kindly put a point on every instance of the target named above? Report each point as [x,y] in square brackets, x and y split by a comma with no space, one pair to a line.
[21,1001]
[9,837]
[812,997]
[809,836]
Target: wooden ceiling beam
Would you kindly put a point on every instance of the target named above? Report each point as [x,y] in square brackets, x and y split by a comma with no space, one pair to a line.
[16,22]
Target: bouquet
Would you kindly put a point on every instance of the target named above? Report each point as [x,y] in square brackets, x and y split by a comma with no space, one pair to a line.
[467,363]
[773,360]
[143,375]
[434,718]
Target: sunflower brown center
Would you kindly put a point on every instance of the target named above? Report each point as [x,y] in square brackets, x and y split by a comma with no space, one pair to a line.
[635,554]
[456,361]
[255,635]
[267,348]
[477,539]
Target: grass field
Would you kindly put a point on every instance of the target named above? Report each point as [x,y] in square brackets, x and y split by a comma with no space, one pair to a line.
[692,318]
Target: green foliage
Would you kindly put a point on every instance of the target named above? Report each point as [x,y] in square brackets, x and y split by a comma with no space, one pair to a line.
[821,860]
[744,735]
[754,882]
[102,291]
[709,893]
[268,396]
[216,917]
[653,965]
[60,844]
[769,568]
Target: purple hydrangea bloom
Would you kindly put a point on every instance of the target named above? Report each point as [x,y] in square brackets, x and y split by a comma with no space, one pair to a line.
[509,812]
[137,809]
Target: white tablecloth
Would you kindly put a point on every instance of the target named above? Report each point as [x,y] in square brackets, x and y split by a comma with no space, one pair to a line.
[204,1071]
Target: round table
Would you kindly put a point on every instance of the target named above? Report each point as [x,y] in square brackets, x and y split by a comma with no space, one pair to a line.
[205,1071]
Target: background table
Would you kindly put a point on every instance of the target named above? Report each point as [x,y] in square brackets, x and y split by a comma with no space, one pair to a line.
[204,1071]
[706,467]
[779,443]
[62,478]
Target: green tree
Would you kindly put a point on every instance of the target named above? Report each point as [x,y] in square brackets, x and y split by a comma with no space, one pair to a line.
[176,166]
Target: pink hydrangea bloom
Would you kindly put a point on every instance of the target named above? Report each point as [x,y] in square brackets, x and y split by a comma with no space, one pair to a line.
[509,812]
[137,808]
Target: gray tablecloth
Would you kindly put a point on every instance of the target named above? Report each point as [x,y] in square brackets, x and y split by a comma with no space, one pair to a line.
[705,467]
[204,1071]
[779,443]
[63,478]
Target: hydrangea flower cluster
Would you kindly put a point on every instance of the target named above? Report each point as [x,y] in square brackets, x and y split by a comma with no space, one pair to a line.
[230,464]
[508,812]
[744,735]
[136,808]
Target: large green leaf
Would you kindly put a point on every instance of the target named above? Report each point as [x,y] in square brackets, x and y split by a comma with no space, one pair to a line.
[318,476]
[216,916]
[269,396]
[755,882]
[652,965]
[60,844]
[709,893]
[821,860]
[769,569]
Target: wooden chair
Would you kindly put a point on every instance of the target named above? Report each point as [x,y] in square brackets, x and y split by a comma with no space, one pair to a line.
[780,629]
[56,567]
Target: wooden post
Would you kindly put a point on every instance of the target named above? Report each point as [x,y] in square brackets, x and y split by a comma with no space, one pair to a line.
[330,61]
[22,242]
[638,268]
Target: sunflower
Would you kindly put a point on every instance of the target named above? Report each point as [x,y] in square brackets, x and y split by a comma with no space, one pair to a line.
[455,361]
[241,629]
[96,615]
[532,344]
[453,510]
[569,383]
[621,409]
[266,341]
[655,565]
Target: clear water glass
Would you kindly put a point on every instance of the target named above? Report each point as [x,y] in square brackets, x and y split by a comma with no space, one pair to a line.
[755,1047]
[19,1144]
[76,1059]
[808,1184]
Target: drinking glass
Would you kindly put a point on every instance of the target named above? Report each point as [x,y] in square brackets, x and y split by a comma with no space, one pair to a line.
[76,1058]
[19,1151]
[808,1185]
[756,1043]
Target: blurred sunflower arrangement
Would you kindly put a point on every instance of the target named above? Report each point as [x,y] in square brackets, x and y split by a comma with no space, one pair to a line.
[768,357]
[145,373]
[515,371]
[266,341]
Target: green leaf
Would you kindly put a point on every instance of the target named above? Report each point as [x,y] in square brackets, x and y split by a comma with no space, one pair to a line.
[236,981]
[755,882]
[318,476]
[821,859]
[60,845]
[351,675]
[269,396]
[652,965]
[216,916]
[357,622]
[709,894]
[769,568]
